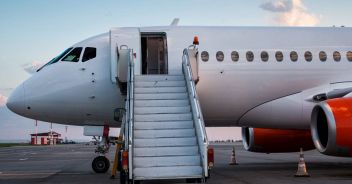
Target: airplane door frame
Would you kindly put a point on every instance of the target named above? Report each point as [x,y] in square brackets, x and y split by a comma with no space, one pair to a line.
[149,43]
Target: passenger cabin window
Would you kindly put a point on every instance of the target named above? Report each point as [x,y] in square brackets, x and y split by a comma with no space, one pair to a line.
[74,55]
[322,56]
[349,56]
[220,56]
[205,56]
[265,56]
[308,56]
[89,53]
[250,56]
[279,56]
[235,56]
[294,56]
[337,56]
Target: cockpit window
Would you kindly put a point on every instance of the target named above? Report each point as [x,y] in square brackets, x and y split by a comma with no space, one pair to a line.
[74,55]
[56,59]
[89,53]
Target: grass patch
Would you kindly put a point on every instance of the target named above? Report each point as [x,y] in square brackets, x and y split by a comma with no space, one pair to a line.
[2,145]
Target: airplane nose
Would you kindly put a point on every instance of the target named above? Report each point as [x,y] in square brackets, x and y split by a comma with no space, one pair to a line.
[16,101]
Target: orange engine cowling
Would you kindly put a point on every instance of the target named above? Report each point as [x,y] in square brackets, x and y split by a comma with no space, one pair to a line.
[331,127]
[275,140]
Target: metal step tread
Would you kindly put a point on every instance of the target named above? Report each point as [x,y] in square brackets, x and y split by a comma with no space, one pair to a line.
[147,134]
[160,84]
[161,103]
[163,117]
[165,151]
[161,96]
[165,161]
[179,172]
[159,77]
[143,90]
[165,142]
[162,110]
[162,125]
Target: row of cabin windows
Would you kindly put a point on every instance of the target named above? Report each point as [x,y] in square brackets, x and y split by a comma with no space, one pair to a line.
[308,56]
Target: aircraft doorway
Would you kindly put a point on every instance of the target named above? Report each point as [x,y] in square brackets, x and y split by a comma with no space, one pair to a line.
[154,53]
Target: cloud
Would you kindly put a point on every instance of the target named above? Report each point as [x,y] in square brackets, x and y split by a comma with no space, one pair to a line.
[3,100]
[277,6]
[32,67]
[290,13]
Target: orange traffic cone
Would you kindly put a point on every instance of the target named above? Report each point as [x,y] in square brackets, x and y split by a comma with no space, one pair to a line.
[233,157]
[302,169]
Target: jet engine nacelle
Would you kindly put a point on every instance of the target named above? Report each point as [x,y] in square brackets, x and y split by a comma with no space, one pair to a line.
[331,127]
[275,140]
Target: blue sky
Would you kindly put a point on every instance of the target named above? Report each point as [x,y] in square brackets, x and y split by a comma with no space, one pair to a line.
[36,31]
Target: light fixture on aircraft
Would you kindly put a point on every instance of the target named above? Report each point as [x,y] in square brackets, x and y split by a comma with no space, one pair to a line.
[196,40]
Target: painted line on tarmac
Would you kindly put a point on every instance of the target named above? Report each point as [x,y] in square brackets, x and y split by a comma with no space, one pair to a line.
[44,173]
[25,174]
[72,173]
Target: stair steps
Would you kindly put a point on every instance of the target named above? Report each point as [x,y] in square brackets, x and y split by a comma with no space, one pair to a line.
[165,143]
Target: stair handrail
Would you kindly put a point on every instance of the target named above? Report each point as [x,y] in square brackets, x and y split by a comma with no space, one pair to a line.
[129,112]
[196,109]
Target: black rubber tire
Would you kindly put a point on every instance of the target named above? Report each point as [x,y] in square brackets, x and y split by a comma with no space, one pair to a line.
[100,164]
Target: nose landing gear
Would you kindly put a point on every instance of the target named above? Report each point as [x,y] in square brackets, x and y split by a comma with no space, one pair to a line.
[102,140]
[101,163]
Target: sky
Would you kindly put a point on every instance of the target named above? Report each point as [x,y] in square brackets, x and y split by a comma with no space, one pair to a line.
[33,32]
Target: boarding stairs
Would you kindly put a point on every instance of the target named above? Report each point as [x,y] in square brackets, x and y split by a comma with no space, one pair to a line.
[164,128]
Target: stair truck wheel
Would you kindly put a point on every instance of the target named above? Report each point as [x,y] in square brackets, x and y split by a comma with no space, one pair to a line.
[100,164]
[123,177]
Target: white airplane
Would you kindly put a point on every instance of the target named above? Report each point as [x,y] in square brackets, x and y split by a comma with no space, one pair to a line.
[286,87]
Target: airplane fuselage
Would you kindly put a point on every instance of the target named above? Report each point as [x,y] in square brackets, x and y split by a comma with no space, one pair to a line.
[265,85]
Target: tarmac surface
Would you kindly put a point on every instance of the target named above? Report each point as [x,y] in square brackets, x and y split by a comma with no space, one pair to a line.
[72,164]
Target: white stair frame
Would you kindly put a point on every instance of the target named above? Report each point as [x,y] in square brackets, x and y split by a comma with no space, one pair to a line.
[189,63]
[128,132]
